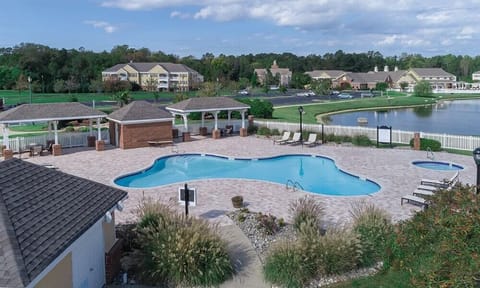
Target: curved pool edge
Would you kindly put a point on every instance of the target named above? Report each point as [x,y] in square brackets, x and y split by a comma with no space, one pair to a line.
[247,179]
[441,162]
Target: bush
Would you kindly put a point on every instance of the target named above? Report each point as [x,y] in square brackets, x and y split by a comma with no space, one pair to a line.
[425,143]
[289,265]
[267,223]
[252,129]
[361,140]
[69,129]
[180,250]
[307,210]
[372,225]
[275,132]
[264,131]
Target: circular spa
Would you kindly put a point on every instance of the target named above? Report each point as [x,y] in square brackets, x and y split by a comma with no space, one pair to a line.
[438,165]
[310,173]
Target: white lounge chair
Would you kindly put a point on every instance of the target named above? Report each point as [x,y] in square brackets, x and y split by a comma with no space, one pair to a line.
[423,193]
[295,139]
[427,188]
[312,140]
[284,139]
[442,183]
[415,200]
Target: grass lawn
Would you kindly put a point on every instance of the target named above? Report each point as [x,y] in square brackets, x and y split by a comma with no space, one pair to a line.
[386,280]
[29,128]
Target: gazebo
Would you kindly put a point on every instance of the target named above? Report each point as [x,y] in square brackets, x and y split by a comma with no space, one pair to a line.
[139,124]
[50,113]
[210,105]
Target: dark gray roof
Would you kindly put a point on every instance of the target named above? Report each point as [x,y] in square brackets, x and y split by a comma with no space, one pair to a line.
[50,111]
[207,104]
[431,72]
[43,211]
[140,111]
[115,68]
[142,66]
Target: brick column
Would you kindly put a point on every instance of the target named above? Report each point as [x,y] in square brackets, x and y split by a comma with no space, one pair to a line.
[7,154]
[416,141]
[243,132]
[99,145]
[56,149]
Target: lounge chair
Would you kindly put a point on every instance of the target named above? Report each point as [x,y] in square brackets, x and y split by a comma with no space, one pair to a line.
[295,139]
[284,139]
[312,140]
[446,183]
[423,193]
[415,200]
[427,188]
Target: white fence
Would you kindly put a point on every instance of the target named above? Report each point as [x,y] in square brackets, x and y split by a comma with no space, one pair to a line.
[67,140]
[468,143]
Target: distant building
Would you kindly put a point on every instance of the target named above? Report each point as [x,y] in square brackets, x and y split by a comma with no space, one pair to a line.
[476,76]
[156,76]
[285,75]
[331,75]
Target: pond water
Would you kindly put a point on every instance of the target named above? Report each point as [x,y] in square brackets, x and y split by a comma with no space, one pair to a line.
[460,117]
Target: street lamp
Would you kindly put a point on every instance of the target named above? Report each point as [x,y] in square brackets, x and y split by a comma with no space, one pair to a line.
[30,87]
[476,157]
[300,111]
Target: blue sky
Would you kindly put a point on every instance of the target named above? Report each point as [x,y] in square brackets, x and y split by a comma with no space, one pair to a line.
[235,27]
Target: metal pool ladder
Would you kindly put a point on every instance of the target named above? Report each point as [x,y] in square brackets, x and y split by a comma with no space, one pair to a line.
[430,154]
[294,185]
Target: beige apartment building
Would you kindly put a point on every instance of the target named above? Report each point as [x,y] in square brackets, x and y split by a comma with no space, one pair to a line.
[285,75]
[156,76]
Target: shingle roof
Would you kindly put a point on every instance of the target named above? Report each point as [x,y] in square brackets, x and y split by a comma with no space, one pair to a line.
[50,111]
[434,72]
[142,66]
[115,68]
[140,111]
[43,211]
[147,66]
[207,104]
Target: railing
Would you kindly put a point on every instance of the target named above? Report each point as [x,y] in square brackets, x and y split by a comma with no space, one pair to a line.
[67,140]
[294,185]
[430,154]
[457,142]
[194,128]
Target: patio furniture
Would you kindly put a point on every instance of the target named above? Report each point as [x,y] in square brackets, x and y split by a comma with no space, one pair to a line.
[295,139]
[445,183]
[423,193]
[415,200]
[284,139]
[312,140]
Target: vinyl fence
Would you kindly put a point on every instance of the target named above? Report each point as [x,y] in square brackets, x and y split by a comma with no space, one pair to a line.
[468,143]
[194,127]
[67,140]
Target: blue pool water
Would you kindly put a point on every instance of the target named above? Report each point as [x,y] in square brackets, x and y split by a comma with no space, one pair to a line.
[314,173]
[436,165]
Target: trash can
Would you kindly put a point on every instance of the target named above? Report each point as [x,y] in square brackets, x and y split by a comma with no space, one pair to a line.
[186,136]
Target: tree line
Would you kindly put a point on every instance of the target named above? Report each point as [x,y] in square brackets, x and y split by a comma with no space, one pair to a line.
[79,70]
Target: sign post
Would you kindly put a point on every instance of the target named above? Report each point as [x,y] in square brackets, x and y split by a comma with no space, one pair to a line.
[384,135]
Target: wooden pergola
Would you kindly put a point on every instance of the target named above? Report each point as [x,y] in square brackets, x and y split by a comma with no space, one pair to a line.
[51,113]
[209,105]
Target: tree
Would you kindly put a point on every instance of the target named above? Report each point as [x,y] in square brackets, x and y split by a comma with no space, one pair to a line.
[321,86]
[22,83]
[122,98]
[283,89]
[254,80]
[59,86]
[423,89]
[209,89]
[381,86]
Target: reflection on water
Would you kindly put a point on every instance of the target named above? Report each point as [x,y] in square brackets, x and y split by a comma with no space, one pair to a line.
[450,117]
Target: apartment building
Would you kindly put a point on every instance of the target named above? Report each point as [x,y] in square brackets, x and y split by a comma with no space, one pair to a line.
[285,75]
[156,76]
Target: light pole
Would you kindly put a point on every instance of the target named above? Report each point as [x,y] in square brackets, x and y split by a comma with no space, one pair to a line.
[300,111]
[43,85]
[476,157]
[30,87]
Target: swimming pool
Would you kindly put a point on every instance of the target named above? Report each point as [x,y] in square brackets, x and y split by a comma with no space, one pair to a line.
[437,165]
[315,174]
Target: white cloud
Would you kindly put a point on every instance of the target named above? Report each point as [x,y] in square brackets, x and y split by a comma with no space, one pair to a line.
[107,27]
[178,14]
[388,40]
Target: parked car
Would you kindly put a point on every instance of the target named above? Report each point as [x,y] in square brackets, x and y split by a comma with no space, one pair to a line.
[311,93]
[367,94]
[243,92]
[344,96]
[303,94]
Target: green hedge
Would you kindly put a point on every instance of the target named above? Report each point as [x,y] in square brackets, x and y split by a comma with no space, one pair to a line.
[425,143]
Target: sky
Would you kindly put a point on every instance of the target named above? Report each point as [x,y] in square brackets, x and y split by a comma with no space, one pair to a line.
[236,27]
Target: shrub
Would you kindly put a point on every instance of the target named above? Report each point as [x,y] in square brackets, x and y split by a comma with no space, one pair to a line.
[267,223]
[373,225]
[307,210]
[426,143]
[180,250]
[361,140]
[69,129]
[289,265]
[252,129]
[264,131]
[275,132]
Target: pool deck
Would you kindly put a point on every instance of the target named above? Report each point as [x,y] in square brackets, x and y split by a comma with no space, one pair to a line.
[390,168]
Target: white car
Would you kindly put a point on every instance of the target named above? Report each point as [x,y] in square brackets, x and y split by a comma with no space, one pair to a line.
[303,94]
[244,92]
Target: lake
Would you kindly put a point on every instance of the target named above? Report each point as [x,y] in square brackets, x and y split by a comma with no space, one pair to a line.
[460,117]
